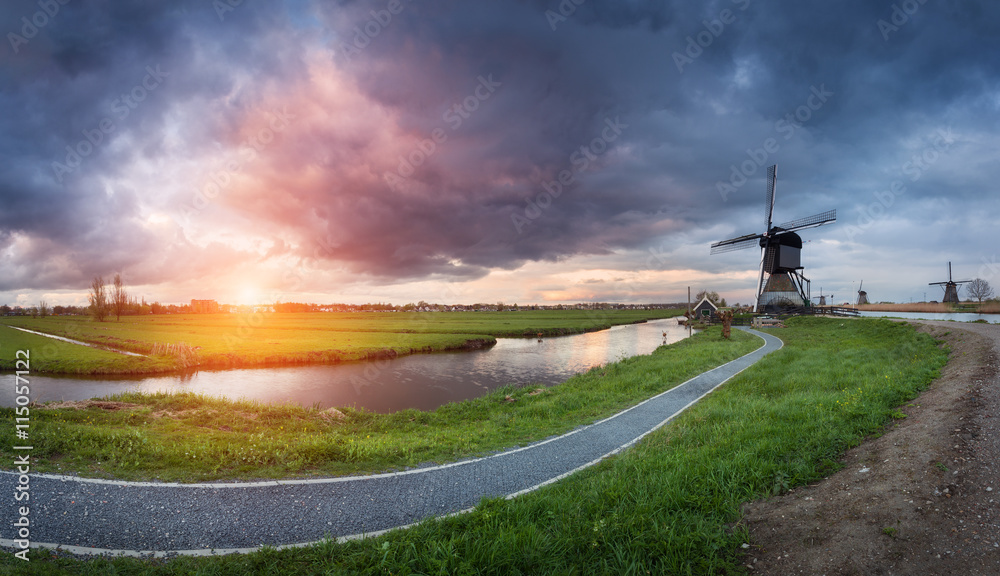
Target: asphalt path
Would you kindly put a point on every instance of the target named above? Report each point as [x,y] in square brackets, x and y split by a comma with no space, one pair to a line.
[89,516]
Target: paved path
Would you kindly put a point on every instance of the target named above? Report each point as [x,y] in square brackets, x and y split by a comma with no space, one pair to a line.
[101,516]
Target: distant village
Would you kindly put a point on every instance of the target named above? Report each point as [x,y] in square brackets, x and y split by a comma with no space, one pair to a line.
[214,307]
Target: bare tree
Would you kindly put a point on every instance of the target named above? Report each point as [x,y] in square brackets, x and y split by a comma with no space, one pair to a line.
[43,308]
[979,289]
[712,296]
[727,322]
[98,297]
[119,297]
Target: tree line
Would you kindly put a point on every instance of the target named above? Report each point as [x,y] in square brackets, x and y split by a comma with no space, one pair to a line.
[107,299]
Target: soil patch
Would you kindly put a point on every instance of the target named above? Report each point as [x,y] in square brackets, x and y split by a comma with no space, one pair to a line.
[920,499]
[332,415]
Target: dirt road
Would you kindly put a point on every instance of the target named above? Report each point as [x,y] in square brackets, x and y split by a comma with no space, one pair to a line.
[922,498]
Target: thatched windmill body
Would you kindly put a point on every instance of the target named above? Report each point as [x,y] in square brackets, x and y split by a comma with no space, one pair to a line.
[951,287]
[780,283]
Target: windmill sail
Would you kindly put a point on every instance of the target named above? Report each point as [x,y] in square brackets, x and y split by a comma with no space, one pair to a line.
[772,178]
[738,243]
[809,221]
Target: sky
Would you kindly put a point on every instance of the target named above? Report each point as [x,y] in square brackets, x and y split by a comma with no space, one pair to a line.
[519,151]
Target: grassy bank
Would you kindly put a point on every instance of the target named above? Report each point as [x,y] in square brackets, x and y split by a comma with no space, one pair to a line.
[271,339]
[188,437]
[49,355]
[671,505]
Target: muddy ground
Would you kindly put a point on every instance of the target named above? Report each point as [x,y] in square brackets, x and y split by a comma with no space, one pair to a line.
[921,499]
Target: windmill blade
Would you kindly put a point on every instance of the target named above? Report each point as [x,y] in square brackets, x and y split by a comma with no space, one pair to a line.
[809,221]
[937,283]
[772,177]
[739,243]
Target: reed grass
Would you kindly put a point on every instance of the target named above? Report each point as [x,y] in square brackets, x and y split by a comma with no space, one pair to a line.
[987,307]
[937,307]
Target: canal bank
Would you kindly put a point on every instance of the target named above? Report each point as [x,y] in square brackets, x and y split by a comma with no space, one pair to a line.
[421,381]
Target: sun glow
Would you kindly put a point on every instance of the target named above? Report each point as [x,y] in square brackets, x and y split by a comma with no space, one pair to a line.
[248,295]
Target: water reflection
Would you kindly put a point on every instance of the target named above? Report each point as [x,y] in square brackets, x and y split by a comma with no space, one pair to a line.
[423,381]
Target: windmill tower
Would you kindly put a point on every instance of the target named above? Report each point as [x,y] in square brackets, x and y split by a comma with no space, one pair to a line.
[780,283]
[951,287]
[822,297]
[862,295]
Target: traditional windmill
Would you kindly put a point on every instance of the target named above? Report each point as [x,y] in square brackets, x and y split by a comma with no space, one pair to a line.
[780,249]
[822,297]
[862,295]
[950,287]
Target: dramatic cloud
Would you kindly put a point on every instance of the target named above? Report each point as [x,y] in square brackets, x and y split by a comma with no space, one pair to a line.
[476,151]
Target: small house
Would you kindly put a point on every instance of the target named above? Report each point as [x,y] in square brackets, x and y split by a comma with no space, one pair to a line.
[704,310]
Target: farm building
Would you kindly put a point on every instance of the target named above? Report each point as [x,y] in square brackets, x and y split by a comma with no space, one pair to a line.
[705,309]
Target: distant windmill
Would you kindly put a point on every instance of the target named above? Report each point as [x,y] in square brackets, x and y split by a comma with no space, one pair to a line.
[822,298]
[950,287]
[780,251]
[862,295]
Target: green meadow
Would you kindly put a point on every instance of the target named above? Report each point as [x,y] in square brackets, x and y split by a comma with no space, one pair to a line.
[49,355]
[273,339]
[669,505]
[188,437]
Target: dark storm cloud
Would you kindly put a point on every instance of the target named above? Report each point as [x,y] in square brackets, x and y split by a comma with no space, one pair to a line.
[558,92]
[643,109]
[87,87]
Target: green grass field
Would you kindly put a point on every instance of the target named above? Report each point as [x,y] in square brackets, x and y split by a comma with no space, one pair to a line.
[187,437]
[670,505]
[271,339]
[49,355]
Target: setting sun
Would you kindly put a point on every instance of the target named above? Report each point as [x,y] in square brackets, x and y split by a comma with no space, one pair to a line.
[248,295]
